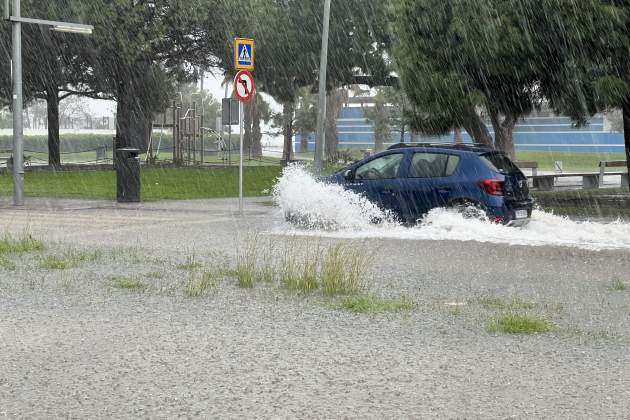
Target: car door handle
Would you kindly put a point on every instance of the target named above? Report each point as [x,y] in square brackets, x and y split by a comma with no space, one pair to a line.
[444,190]
[388,191]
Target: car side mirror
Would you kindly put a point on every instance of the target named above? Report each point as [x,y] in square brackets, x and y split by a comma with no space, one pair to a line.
[348,175]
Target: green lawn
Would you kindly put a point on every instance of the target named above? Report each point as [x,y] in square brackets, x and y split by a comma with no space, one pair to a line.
[39,158]
[157,184]
[571,161]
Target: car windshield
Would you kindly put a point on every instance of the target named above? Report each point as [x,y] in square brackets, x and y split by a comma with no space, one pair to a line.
[500,163]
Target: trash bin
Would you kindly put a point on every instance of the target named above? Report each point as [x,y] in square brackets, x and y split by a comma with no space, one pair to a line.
[127,164]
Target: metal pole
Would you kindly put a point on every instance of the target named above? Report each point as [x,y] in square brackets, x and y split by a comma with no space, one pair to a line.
[321,113]
[201,119]
[229,143]
[240,167]
[18,128]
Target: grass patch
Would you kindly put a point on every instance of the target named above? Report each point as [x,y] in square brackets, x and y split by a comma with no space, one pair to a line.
[519,324]
[68,260]
[7,264]
[370,304]
[497,303]
[55,262]
[246,264]
[154,275]
[127,283]
[197,284]
[617,285]
[342,270]
[305,279]
[157,183]
[190,264]
[25,243]
[571,161]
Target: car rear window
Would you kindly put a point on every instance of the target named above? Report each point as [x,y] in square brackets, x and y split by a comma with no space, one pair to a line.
[500,163]
[432,165]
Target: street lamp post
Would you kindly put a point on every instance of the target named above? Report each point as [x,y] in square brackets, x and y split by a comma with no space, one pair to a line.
[16,19]
[321,113]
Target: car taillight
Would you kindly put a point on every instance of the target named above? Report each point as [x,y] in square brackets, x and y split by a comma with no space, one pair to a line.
[492,186]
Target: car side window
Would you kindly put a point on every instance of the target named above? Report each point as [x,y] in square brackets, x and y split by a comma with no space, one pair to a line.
[433,165]
[384,167]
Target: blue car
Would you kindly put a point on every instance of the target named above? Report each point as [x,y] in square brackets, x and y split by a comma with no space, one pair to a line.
[411,179]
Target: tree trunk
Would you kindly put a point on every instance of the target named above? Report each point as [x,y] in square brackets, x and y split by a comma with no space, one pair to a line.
[474,126]
[503,132]
[287,130]
[458,135]
[402,132]
[304,142]
[52,107]
[626,129]
[247,122]
[256,131]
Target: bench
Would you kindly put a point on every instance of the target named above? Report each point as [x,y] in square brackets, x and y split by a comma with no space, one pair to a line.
[590,180]
[528,164]
[612,164]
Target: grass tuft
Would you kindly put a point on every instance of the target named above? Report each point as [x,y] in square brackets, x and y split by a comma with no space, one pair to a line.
[617,285]
[342,270]
[370,304]
[198,284]
[519,324]
[127,283]
[154,275]
[54,262]
[25,243]
[246,264]
[190,264]
[68,260]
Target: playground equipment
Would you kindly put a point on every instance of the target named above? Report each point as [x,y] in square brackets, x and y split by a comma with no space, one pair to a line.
[187,134]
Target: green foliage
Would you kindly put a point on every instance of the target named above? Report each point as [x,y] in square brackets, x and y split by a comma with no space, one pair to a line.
[198,284]
[519,324]
[342,270]
[69,142]
[618,285]
[24,243]
[70,259]
[126,283]
[7,264]
[190,264]
[370,304]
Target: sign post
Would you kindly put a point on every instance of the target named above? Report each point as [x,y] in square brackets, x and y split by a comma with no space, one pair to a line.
[244,90]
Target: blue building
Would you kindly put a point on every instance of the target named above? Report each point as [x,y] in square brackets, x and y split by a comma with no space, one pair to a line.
[538,132]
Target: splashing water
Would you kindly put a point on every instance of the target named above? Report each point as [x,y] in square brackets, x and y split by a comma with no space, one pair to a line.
[315,205]
[329,210]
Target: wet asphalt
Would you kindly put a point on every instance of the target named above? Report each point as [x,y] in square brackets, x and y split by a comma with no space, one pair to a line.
[72,346]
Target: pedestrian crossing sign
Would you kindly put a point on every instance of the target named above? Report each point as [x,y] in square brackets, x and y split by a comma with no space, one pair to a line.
[244,54]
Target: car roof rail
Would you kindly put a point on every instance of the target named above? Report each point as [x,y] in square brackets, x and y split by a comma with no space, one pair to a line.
[439,144]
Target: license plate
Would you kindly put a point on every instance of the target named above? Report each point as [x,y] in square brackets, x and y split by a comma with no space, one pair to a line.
[521,214]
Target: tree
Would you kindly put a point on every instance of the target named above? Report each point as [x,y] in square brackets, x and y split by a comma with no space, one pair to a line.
[288,34]
[54,64]
[142,48]
[335,99]
[306,117]
[457,59]
[380,115]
